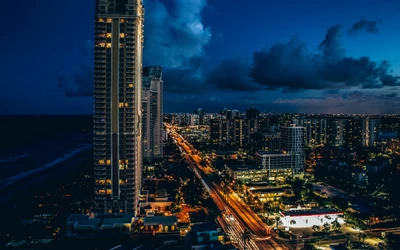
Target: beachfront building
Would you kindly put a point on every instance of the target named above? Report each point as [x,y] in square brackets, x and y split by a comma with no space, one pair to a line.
[118,46]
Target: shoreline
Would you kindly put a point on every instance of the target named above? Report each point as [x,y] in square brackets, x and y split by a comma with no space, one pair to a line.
[16,192]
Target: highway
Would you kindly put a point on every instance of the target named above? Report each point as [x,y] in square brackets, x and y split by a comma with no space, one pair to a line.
[237,216]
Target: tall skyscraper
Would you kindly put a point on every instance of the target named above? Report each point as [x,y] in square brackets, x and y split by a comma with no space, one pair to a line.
[293,141]
[117,105]
[152,112]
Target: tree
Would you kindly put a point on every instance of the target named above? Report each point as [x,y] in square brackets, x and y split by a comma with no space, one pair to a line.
[245,237]
[335,225]
[327,227]
[363,237]
[316,228]
[278,221]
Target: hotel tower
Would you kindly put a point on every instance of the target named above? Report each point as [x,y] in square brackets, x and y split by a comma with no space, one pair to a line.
[117,105]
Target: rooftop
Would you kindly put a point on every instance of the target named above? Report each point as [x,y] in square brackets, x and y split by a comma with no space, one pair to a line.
[311,212]
[267,190]
[157,220]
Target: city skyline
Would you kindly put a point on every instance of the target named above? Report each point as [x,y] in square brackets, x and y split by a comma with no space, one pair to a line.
[212,62]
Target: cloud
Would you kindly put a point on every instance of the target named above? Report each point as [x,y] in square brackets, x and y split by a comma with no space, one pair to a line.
[352,102]
[231,75]
[174,36]
[80,83]
[292,67]
[364,25]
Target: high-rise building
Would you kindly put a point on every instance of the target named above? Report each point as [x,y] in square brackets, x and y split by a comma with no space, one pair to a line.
[292,139]
[117,105]
[152,113]
[315,131]
[252,114]
[371,129]
[200,113]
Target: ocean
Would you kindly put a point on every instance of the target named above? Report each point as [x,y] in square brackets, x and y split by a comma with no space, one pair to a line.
[31,144]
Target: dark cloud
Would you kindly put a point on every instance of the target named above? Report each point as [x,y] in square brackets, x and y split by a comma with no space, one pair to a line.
[389,96]
[364,25]
[332,49]
[231,75]
[291,66]
[78,84]
[353,102]
[173,36]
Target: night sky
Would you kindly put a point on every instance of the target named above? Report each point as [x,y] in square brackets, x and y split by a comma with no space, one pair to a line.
[315,56]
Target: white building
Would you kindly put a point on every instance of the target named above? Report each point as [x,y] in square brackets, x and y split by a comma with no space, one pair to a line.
[310,218]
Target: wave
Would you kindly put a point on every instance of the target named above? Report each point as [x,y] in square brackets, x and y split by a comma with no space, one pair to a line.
[13,158]
[62,159]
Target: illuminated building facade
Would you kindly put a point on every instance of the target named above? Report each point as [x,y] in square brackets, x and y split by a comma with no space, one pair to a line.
[292,139]
[117,105]
[152,112]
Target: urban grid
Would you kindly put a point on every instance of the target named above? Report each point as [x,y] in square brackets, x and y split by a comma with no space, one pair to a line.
[235,178]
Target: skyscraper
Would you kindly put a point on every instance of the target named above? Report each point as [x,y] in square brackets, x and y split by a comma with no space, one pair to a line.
[117,105]
[152,112]
[293,138]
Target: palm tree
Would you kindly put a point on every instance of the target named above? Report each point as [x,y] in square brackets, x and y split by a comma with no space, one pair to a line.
[363,237]
[327,227]
[335,225]
[278,221]
[245,237]
[316,228]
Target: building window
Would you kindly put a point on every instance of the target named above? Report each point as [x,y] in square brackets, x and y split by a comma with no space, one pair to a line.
[109,20]
[101,20]
[122,20]
[108,35]
[122,35]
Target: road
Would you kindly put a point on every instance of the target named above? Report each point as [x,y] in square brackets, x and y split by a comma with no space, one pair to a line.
[240,216]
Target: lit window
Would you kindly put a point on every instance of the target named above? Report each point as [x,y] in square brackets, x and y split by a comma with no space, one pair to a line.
[122,20]
[108,45]
[126,104]
[101,162]
[108,162]
[108,35]
[121,104]
[122,35]
[109,20]
[108,191]
[101,20]
[130,85]
[100,44]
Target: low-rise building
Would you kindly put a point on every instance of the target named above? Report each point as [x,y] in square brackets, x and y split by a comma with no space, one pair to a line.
[81,224]
[159,224]
[205,236]
[278,166]
[310,217]
[272,195]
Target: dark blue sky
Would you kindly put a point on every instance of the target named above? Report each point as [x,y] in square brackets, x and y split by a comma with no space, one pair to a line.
[289,55]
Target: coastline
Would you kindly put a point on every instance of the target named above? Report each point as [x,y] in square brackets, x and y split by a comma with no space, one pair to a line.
[19,190]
